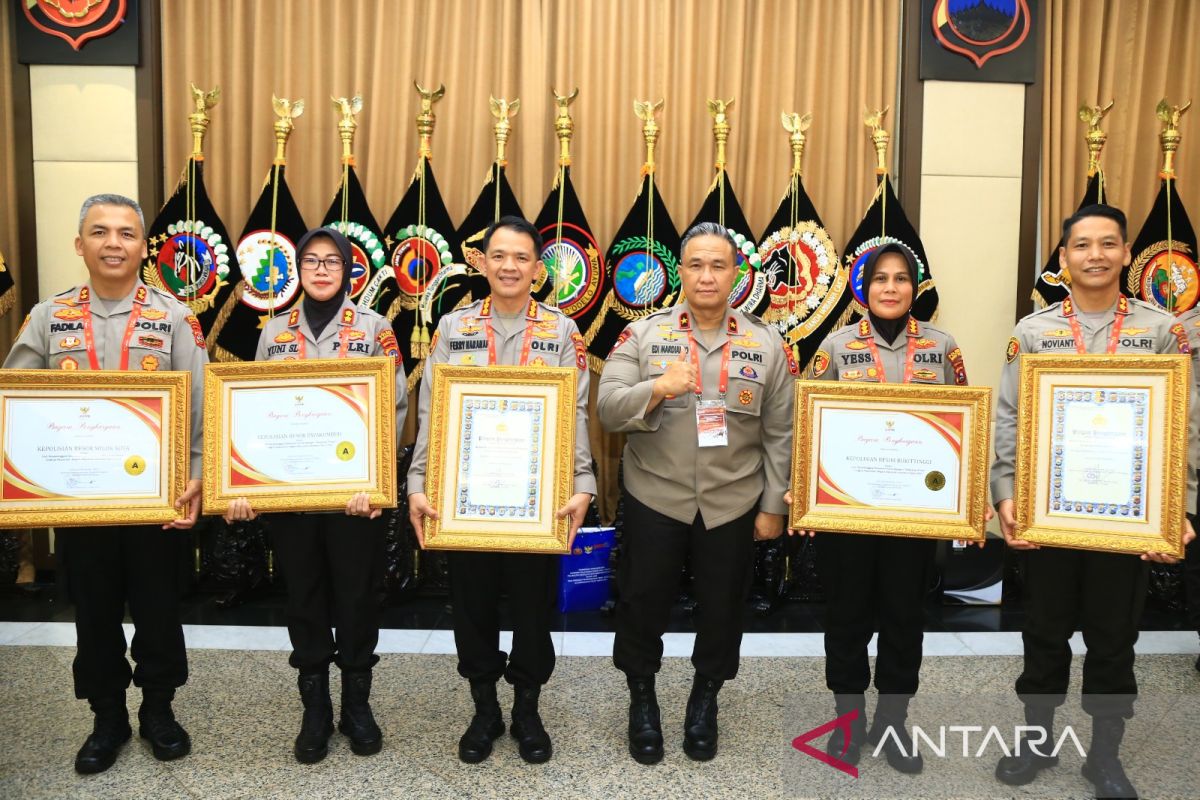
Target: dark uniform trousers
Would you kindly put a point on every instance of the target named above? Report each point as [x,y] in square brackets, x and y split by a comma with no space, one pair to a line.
[333,566]
[104,569]
[530,581]
[874,582]
[1102,594]
[654,549]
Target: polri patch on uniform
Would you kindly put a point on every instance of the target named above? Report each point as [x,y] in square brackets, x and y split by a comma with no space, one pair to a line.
[1181,338]
[1014,350]
[580,350]
[793,366]
[197,331]
[820,363]
[956,363]
[389,345]
[621,339]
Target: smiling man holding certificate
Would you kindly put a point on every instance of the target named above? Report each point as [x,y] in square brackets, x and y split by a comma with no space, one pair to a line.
[495,465]
[1102,592]
[116,322]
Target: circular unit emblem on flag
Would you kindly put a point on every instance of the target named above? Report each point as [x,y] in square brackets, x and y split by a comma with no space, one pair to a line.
[858,260]
[366,251]
[644,275]
[192,261]
[1167,278]
[417,257]
[573,263]
[270,280]
[75,21]
[800,265]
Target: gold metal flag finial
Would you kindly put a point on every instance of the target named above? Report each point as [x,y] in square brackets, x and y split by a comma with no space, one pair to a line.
[348,124]
[721,127]
[503,111]
[796,125]
[426,119]
[645,110]
[1095,138]
[564,126]
[879,137]
[285,111]
[1169,136]
[198,120]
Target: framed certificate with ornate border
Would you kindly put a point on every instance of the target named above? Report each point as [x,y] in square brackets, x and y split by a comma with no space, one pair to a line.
[1102,446]
[299,435]
[890,458]
[501,458]
[92,448]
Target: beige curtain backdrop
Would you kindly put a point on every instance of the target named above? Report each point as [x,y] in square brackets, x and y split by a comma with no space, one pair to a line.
[827,57]
[1133,52]
[11,321]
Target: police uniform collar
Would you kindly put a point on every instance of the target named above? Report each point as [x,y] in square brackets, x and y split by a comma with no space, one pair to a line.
[86,295]
[1069,310]
[684,321]
[531,312]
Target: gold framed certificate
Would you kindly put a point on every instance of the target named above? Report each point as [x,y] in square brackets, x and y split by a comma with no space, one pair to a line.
[501,458]
[301,435]
[1103,442]
[893,459]
[92,448]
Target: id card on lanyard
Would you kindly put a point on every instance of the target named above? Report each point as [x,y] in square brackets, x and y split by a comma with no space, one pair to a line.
[711,427]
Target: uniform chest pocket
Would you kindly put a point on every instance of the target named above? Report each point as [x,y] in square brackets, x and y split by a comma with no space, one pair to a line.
[745,395]
[149,351]
[468,351]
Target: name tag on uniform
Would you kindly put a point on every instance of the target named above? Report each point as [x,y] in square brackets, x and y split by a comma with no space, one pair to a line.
[710,423]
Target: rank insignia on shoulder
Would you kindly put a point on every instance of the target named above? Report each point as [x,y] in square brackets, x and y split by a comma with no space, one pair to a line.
[1014,350]
[285,337]
[348,316]
[745,397]
[149,363]
[820,363]
[294,318]
[1181,338]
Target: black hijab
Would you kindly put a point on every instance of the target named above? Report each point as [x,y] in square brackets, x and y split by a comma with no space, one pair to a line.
[318,313]
[889,329]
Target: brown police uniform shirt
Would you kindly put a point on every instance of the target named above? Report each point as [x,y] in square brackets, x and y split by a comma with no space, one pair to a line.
[461,339]
[1146,330]
[167,336]
[665,468]
[845,355]
[364,333]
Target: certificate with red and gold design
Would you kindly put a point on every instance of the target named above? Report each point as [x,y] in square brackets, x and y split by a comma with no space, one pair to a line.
[891,459]
[299,435]
[94,448]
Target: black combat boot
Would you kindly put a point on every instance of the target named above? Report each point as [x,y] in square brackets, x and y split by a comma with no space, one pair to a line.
[891,712]
[1103,766]
[487,724]
[357,722]
[316,726]
[156,723]
[645,725]
[700,719]
[837,746]
[532,740]
[110,730]
[1028,760]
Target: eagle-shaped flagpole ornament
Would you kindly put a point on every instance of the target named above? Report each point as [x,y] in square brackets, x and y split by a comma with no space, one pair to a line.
[1094,136]
[496,199]
[188,247]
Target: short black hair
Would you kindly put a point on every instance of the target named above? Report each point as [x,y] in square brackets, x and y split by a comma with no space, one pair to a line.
[1095,210]
[513,223]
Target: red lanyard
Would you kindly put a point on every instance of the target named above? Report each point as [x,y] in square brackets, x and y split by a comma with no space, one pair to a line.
[1077,330]
[723,381]
[135,314]
[343,338]
[491,339]
[909,354]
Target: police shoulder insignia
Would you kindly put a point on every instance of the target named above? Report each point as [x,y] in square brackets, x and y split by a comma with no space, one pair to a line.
[820,363]
[294,318]
[1181,338]
[792,366]
[348,316]
[580,350]
[621,339]
[391,348]
[956,363]
[197,331]
[1014,350]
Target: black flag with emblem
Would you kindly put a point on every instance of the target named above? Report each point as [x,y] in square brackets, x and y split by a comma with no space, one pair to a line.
[350,216]
[424,280]
[1163,270]
[722,207]
[496,200]
[190,254]
[806,284]
[266,254]
[884,223]
[642,273]
[1052,285]
[8,289]
[574,279]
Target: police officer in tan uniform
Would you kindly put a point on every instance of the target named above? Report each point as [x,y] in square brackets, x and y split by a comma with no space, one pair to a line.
[115,321]
[332,563]
[506,328]
[1101,592]
[704,393]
